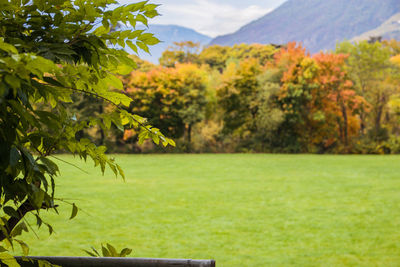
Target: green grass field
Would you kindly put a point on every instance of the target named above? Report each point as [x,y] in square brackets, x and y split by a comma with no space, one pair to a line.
[241,210]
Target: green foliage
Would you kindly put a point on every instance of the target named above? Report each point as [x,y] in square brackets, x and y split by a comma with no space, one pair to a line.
[236,93]
[109,251]
[174,98]
[50,53]
[183,52]
[218,57]
[269,116]
[373,75]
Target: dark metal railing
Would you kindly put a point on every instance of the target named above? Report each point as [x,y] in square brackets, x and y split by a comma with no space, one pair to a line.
[120,262]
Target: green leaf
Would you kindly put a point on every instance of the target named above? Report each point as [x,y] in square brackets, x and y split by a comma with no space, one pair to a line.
[9,260]
[151,14]
[51,230]
[7,47]
[95,251]
[24,247]
[152,41]
[38,221]
[143,46]
[156,139]
[123,69]
[15,156]
[12,81]
[136,6]
[142,19]
[171,142]
[107,122]
[10,211]
[90,253]
[121,171]
[148,39]
[150,7]
[132,46]
[125,252]
[105,252]
[17,231]
[101,30]
[115,82]
[135,34]
[38,198]
[112,250]
[51,166]
[74,211]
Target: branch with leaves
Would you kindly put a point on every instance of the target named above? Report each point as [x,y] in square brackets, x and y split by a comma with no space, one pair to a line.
[49,51]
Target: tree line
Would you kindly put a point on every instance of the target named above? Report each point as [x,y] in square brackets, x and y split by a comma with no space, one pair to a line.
[266,98]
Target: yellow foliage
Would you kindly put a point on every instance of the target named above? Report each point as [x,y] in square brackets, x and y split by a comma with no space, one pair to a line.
[396,60]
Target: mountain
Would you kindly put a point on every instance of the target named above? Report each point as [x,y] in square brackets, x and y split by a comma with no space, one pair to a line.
[318,24]
[169,34]
[390,29]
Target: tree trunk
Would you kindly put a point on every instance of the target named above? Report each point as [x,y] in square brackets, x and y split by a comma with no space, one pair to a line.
[381,101]
[189,135]
[378,118]
[362,123]
[345,125]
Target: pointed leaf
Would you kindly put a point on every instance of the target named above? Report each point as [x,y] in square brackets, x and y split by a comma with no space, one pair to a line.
[74,211]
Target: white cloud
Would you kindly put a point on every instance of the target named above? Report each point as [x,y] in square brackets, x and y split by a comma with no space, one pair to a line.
[208,17]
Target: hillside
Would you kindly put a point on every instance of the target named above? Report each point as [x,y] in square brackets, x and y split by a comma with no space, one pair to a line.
[317,24]
[388,30]
[169,34]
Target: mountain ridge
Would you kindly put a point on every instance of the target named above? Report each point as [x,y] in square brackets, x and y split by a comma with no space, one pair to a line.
[387,30]
[168,34]
[319,25]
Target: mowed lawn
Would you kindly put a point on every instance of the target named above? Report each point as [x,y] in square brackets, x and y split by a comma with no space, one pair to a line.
[241,209]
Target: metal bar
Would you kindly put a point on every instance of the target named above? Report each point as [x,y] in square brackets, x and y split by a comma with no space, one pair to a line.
[111,262]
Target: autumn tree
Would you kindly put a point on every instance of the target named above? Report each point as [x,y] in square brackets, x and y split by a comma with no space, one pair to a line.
[192,85]
[180,52]
[303,119]
[317,96]
[269,116]
[156,98]
[393,45]
[174,98]
[235,95]
[341,101]
[371,71]
[218,57]
[215,56]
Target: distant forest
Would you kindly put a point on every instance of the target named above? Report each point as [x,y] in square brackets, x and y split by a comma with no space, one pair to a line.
[263,98]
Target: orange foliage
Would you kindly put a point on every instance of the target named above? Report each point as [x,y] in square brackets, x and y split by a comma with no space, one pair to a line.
[167,95]
[318,92]
[341,101]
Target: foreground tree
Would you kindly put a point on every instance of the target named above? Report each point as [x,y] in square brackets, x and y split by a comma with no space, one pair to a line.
[51,51]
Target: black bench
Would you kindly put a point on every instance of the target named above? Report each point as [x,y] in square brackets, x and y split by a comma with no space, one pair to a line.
[111,262]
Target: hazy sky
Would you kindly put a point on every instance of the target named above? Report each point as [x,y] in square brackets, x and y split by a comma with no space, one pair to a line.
[211,17]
